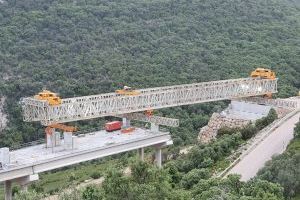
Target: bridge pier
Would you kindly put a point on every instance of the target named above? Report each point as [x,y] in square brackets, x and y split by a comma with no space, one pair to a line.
[154,127]
[8,190]
[158,157]
[22,181]
[50,138]
[125,122]
[141,154]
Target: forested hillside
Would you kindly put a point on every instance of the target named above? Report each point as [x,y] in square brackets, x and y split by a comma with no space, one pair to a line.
[86,47]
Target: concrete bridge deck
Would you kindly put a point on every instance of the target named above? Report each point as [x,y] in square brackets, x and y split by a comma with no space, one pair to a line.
[35,159]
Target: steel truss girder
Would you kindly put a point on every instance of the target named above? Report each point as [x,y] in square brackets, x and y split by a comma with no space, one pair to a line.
[281,103]
[111,104]
[165,121]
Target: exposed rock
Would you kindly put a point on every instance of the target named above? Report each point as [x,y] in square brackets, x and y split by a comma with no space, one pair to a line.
[237,115]
[217,121]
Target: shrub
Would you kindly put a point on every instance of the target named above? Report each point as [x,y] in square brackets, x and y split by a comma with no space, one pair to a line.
[248,131]
[92,193]
[72,177]
[265,121]
[96,175]
[227,131]
[193,177]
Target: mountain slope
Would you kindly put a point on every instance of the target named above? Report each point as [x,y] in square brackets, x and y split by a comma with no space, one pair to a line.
[87,47]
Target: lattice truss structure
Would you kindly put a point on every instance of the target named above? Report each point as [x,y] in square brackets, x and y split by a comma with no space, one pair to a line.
[291,104]
[111,104]
[165,121]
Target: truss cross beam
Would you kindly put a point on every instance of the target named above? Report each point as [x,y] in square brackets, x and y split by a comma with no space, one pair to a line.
[165,121]
[291,104]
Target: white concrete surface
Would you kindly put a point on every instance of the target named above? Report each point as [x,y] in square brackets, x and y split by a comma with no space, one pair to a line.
[158,157]
[38,153]
[275,143]
[141,154]
[246,110]
[36,159]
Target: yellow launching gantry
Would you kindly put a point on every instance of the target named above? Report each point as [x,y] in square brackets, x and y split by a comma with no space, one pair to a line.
[52,98]
[264,74]
[129,91]
[62,127]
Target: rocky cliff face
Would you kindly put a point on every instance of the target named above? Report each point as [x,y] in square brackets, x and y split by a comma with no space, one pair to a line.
[3,116]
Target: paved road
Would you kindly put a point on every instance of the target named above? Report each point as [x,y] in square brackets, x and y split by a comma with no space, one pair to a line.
[274,144]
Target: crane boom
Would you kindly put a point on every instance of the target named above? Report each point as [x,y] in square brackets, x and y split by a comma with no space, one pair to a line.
[111,104]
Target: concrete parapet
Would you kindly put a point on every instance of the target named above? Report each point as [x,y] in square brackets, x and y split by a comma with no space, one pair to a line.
[4,157]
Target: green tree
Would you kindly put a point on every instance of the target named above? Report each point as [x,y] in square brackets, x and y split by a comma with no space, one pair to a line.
[265,121]
[116,186]
[248,131]
[193,177]
[261,189]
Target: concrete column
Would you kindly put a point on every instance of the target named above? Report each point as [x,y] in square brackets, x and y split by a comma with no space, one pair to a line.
[4,157]
[68,140]
[8,190]
[74,142]
[57,139]
[158,157]
[126,122]
[50,139]
[154,127]
[141,154]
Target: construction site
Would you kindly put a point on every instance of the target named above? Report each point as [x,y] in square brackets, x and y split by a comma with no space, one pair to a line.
[251,99]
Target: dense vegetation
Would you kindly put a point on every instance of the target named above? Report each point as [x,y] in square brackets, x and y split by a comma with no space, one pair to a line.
[87,47]
[147,182]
